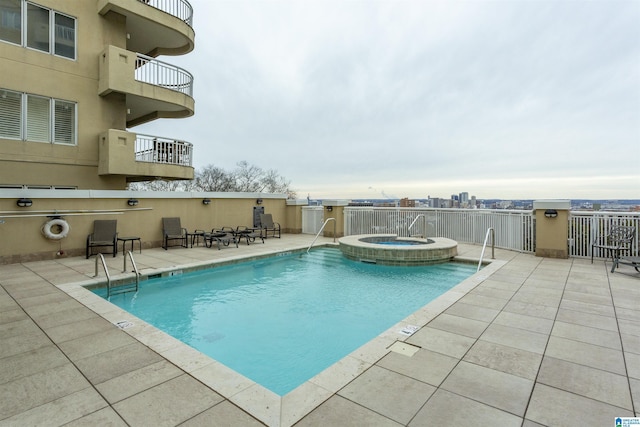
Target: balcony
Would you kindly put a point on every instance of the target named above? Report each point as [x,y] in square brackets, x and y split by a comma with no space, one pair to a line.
[153,89]
[144,157]
[155,27]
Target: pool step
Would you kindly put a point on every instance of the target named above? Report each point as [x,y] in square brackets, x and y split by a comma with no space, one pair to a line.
[323,257]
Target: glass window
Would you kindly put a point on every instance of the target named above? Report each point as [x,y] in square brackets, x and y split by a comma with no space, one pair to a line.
[10,21]
[38,119]
[10,114]
[64,122]
[65,36]
[37,27]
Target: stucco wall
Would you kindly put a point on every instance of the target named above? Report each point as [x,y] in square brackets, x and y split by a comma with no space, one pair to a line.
[21,237]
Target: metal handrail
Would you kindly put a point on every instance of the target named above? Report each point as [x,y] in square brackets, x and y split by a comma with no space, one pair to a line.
[413,223]
[106,272]
[322,228]
[484,246]
[135,268]
[160,73]
[181,9]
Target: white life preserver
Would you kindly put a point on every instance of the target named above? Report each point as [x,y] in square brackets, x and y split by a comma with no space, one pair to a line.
[47,229]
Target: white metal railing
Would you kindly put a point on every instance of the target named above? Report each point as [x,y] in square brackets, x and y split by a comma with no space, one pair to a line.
[179,8]
[322,228]
[155,149]
[587,227]
[490,232]
[159,73]
[515,229]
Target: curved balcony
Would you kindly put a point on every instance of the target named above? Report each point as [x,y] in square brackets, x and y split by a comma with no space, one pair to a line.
[155,27]
[155,149]
[154,89]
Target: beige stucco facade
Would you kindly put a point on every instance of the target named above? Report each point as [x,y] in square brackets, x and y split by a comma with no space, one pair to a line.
[23,239]
[108,96]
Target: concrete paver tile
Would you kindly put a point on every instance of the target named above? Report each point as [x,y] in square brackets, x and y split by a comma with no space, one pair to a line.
[90,345]
[506,359]
[443,409]
[631,343]
[522,321]
[529,309]
[223,414]
[587,319]
[30,362]
[338,411]
[17,344]
[378,389]
[629,327]
[169,403]
[586,354]
[426,366]
[498,389]
[104,417]
[588,382]
[586,334]
[459,325]
[554,407]
[633,365]
[23,326]
[515,337]
[586,307]
[113,363]
[42,387]
[440,341]
[474,312]
[72,331]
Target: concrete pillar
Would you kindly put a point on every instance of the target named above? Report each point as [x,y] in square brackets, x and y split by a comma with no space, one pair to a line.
[552,228]
[334,209]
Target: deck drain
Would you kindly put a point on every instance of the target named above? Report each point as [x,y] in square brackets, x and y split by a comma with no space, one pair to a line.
[404,348]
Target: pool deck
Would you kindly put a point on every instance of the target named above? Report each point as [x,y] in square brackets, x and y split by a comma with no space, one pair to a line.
[528,341]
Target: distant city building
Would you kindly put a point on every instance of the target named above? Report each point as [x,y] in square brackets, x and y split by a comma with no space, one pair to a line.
[406,203]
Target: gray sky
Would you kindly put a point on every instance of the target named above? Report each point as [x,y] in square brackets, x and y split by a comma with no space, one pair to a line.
[356,99]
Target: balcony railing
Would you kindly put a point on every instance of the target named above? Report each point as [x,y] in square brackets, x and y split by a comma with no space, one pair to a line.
[515,230]
[155,149]
[159,73]
[585,227]
[179,8]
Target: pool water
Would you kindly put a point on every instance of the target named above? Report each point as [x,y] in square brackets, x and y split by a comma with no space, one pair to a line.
[282,320]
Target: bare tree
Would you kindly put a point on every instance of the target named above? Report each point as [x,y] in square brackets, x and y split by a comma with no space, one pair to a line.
[213,178]
[247,177]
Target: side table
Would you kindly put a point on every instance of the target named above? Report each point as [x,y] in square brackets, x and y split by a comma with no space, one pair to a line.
[131,239]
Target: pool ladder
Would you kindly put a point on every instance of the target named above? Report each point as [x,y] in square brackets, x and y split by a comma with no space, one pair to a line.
[322,228]
[123,288]
[491,231]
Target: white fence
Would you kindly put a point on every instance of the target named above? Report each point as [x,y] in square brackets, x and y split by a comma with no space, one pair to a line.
[312,219]
[515,230]
[587,227]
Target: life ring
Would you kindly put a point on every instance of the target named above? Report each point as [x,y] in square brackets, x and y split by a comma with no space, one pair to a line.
[48,227]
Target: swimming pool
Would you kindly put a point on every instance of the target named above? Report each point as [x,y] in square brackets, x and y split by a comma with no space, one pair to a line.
[282,320]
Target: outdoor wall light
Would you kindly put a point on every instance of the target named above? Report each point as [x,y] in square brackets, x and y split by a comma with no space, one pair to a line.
[259,201]
[551,213]
[132,202]
[206,201]
[329,208]
[24,203]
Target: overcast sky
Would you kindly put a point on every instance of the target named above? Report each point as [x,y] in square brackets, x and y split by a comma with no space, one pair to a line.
[361,99]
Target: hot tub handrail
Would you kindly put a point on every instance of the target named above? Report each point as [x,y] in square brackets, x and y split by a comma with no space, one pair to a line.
[484,246]
[414,222]
[322,228]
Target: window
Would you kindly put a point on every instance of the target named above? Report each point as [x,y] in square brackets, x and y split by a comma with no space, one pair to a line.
[11,21]
[44,29]
[36,118]
[64,122]
[10,114]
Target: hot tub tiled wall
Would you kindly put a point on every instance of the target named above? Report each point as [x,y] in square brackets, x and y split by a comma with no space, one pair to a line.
[438,249]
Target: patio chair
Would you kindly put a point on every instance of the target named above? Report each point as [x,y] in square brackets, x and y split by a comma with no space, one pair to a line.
[173,230]
[104,235]
[268,225]
[225,235]
[619,239]
[249,234]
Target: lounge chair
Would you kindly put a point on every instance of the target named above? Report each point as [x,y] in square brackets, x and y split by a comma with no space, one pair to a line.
[173,230]
[225,235]
[104,234]
[249,234]
[267,225]
[619,239]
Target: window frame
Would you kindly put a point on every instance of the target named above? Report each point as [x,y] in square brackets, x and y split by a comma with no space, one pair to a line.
[52,33]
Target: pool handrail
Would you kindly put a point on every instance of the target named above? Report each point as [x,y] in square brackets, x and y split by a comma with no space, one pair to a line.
[322,228]
[100,257]
[484,246]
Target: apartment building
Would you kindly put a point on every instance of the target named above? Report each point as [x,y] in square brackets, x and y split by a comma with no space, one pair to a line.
[76,77]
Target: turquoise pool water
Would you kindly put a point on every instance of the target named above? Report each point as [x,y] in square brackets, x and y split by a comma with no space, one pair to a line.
[282,320]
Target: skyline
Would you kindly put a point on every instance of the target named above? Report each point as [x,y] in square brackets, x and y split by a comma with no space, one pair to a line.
[416,98]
